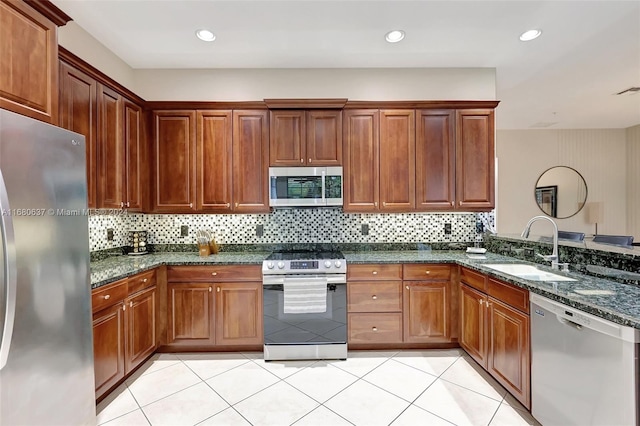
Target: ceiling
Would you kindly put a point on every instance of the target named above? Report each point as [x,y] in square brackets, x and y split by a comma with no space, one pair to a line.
[588,51]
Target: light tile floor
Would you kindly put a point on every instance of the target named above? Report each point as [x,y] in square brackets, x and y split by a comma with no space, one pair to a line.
[410,388]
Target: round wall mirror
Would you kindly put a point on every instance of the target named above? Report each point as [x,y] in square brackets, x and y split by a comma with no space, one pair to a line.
[561,192]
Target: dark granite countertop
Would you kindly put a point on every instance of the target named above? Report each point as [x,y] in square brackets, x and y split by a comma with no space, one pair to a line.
[621,307]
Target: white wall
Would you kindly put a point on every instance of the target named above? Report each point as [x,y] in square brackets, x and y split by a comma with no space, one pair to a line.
[354,84]
[599,155]
[633,182]
[79,42]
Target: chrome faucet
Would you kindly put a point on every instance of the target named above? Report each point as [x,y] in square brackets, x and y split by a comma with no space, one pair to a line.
[553,257]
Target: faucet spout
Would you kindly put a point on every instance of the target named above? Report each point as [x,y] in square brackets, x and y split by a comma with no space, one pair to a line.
[553,258]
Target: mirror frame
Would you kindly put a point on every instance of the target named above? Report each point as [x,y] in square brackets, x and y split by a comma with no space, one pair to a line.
[554,208]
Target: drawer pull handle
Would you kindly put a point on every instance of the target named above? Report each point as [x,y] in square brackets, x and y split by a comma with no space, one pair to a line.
[375,272]
[145,280]
[374,329]
[374,297]
[107,297]
[214,273]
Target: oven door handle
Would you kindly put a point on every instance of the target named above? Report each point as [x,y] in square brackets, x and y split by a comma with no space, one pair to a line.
[280,279]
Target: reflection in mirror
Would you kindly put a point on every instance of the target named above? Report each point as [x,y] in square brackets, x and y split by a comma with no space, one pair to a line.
[561,192]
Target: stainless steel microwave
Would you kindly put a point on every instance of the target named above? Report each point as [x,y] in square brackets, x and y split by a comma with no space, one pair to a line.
[305,186]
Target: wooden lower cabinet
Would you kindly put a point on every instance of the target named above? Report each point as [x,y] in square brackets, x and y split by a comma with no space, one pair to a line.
[190,308]
[108,347]
[141,327]
[426,311]
[375,327]
[496,335]
[238,316]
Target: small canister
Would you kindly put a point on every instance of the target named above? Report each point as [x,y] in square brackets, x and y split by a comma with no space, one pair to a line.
[138,243]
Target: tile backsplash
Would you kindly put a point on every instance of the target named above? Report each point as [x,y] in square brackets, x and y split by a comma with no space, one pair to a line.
[320,225]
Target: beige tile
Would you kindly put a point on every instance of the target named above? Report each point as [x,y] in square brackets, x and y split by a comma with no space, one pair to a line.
[322,416]
[159,384]
[117,403]
[283,369]
[228,417]
[365,404]
[321,381]
[456,404]
[434,361]
[155,363]
[135,418]
[253,355]
[187,407]
[512,401]
[208,365]
[279,404]
[414,416]
[509,416]
[400,379]
[467,373]
[239,383]
[361,363]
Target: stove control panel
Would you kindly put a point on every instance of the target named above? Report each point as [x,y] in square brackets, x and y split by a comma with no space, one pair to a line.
[303,264]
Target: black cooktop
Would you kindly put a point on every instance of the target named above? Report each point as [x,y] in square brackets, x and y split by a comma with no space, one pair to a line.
[306,255]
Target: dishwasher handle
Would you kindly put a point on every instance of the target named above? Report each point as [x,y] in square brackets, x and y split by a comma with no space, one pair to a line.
[570,323]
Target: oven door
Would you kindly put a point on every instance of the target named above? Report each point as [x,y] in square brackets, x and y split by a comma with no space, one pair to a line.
[305,328]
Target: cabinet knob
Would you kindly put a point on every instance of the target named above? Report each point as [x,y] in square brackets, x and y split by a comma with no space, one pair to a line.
[127,204]
[374,297]
[209,289]
[375,272]
[302,160]
[124,307]
[131,304]
[236,204]
[228,205]
[121,204]
[407,287]
[374,329]
[107,296]
[145,280]
[218,289]
[480,302]
[375,204]
[190,205]
[214,273]
[309,159]
[459,203]
[453,203]
[427,272]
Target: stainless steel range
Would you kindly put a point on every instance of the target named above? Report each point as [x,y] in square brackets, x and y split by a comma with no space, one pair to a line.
[305,305]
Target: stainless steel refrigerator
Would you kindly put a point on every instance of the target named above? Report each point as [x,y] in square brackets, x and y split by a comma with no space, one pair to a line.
[46,349]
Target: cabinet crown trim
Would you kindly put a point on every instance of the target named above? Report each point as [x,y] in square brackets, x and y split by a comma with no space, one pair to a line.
[336,103]
[50,11]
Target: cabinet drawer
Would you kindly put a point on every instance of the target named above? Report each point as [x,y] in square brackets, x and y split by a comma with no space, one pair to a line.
[377,296]
[219,273]
[109,295]
[371,272]
[426,271]
[375,328]
[509,294]
[473,279]
[141,281]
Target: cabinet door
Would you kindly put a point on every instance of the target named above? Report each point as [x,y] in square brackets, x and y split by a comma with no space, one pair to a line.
[174,150]
[111,152]
[473,319]
[287,138]
[78,114]
[509,358]
[250,161]
[397,160]
[28,62]
[361,164]
[239,314]
[435,160]
[190,308]
[475,159]
[134,142]
[324,137]
[108,347]
[213,161]
[426,315]
[141,327]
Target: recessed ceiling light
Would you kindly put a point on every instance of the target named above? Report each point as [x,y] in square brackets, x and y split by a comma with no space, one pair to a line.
[394,36]
[205,35]
[530,35]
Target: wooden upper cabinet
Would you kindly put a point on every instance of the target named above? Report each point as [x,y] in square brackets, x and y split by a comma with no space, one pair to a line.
[435,160]
[250,161]
[324,137]
[213,161]
[287,145]
[136,163]
[174,135]
[361,160]
[28,62]
[475,183]
[111,154]
[309,138]
[397,160]
[78,113]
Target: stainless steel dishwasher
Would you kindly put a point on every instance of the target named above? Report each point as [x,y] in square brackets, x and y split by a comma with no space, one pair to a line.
[584,369]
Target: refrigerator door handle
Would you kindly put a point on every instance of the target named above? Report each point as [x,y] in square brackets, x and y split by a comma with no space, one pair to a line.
[8,279]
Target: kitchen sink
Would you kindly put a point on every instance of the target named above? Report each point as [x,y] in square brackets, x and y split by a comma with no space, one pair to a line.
[527,272]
